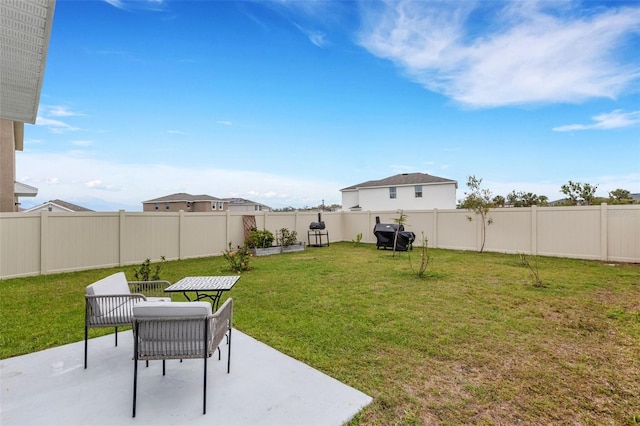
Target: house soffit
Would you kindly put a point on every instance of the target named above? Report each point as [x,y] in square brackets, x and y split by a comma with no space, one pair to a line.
[25,29]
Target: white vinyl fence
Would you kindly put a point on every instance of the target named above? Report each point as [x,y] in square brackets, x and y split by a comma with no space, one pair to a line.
[46,242]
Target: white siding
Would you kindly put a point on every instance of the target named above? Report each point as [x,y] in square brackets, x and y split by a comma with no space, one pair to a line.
[434,196]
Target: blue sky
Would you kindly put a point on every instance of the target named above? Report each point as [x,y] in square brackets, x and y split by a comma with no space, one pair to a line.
[287,102]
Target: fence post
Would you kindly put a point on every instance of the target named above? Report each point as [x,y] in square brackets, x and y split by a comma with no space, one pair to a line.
[434,243]
[121,236]
[534,230]
[604,246]
[44,239]
[181,237]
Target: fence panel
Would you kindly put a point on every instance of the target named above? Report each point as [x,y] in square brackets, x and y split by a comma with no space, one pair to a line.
[623,232]
[569,232]
[19,244]
[149,236]
[80,241]
[47,242]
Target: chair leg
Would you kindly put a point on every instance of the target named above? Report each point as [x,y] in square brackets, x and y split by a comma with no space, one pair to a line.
[163,367]
[204,387]
[135,385]
[229,354]
[86,338]
[116,336]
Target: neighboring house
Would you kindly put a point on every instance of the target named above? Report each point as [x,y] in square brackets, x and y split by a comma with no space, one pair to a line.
[185,202]
[58,206]
[406,191]
[23,190]
[243,205]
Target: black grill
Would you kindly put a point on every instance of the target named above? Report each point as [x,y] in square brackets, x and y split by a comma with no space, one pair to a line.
[386,233]
[317,225]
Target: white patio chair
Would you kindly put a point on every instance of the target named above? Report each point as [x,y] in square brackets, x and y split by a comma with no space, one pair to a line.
[109,302]
[179,330]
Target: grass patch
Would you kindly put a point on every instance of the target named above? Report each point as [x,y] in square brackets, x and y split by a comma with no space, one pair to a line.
[472,341]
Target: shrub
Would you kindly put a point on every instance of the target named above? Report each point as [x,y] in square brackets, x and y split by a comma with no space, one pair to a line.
[259,238]
[146,273]
[238,259]
[286,237]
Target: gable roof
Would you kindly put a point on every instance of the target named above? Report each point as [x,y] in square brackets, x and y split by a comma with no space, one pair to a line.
[402,179]
[24,190]
[64,205]
[243,202]
[182,197]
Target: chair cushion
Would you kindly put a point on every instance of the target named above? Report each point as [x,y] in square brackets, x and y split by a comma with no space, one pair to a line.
[113,284]
[171,309]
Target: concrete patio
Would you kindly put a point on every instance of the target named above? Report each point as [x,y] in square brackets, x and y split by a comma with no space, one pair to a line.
[265,387]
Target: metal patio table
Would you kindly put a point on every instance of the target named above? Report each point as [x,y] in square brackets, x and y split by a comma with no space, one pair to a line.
[208,287]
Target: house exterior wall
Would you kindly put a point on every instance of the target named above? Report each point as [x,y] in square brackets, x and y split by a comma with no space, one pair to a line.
[434,196]
[246,208]
[47,242]
[7,166]
[350,199]
[176,206]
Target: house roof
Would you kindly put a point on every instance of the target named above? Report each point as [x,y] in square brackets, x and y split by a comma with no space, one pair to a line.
[400,180]
[24,190]
[243,202]
[64,205]
[24,34]
[183,197]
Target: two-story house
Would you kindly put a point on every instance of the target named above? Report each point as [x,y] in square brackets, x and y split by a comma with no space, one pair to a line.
[405,191]
[201,203]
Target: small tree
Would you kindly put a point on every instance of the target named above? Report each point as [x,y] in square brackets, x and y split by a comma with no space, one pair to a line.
[425,257]
[499,201]
[579,194]
[478,201]
[620,196]
[400,220]
[526,199]
[147,273]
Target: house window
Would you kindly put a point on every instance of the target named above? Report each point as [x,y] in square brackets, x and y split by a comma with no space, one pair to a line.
[418,191]
[220,205]
[213,205]
[156,206]
[257,208]
[166,205]
[392,192]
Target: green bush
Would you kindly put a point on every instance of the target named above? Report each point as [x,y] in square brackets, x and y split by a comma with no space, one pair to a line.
[259,238]
[146,273]
[287,238]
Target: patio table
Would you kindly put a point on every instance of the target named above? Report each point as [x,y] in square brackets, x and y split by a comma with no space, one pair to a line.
[207,287]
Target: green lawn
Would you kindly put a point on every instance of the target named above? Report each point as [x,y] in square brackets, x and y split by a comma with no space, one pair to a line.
[473,341]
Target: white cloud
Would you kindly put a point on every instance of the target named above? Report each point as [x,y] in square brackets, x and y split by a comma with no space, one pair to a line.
[224,122]
[82,143]
[528,52]
[175,132]
[153,5]
[107,185]
[60,111]
[611,120]
[55,126]
[316,37]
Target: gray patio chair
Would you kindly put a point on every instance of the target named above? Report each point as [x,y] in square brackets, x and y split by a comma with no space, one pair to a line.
[179,330]
[109,302]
